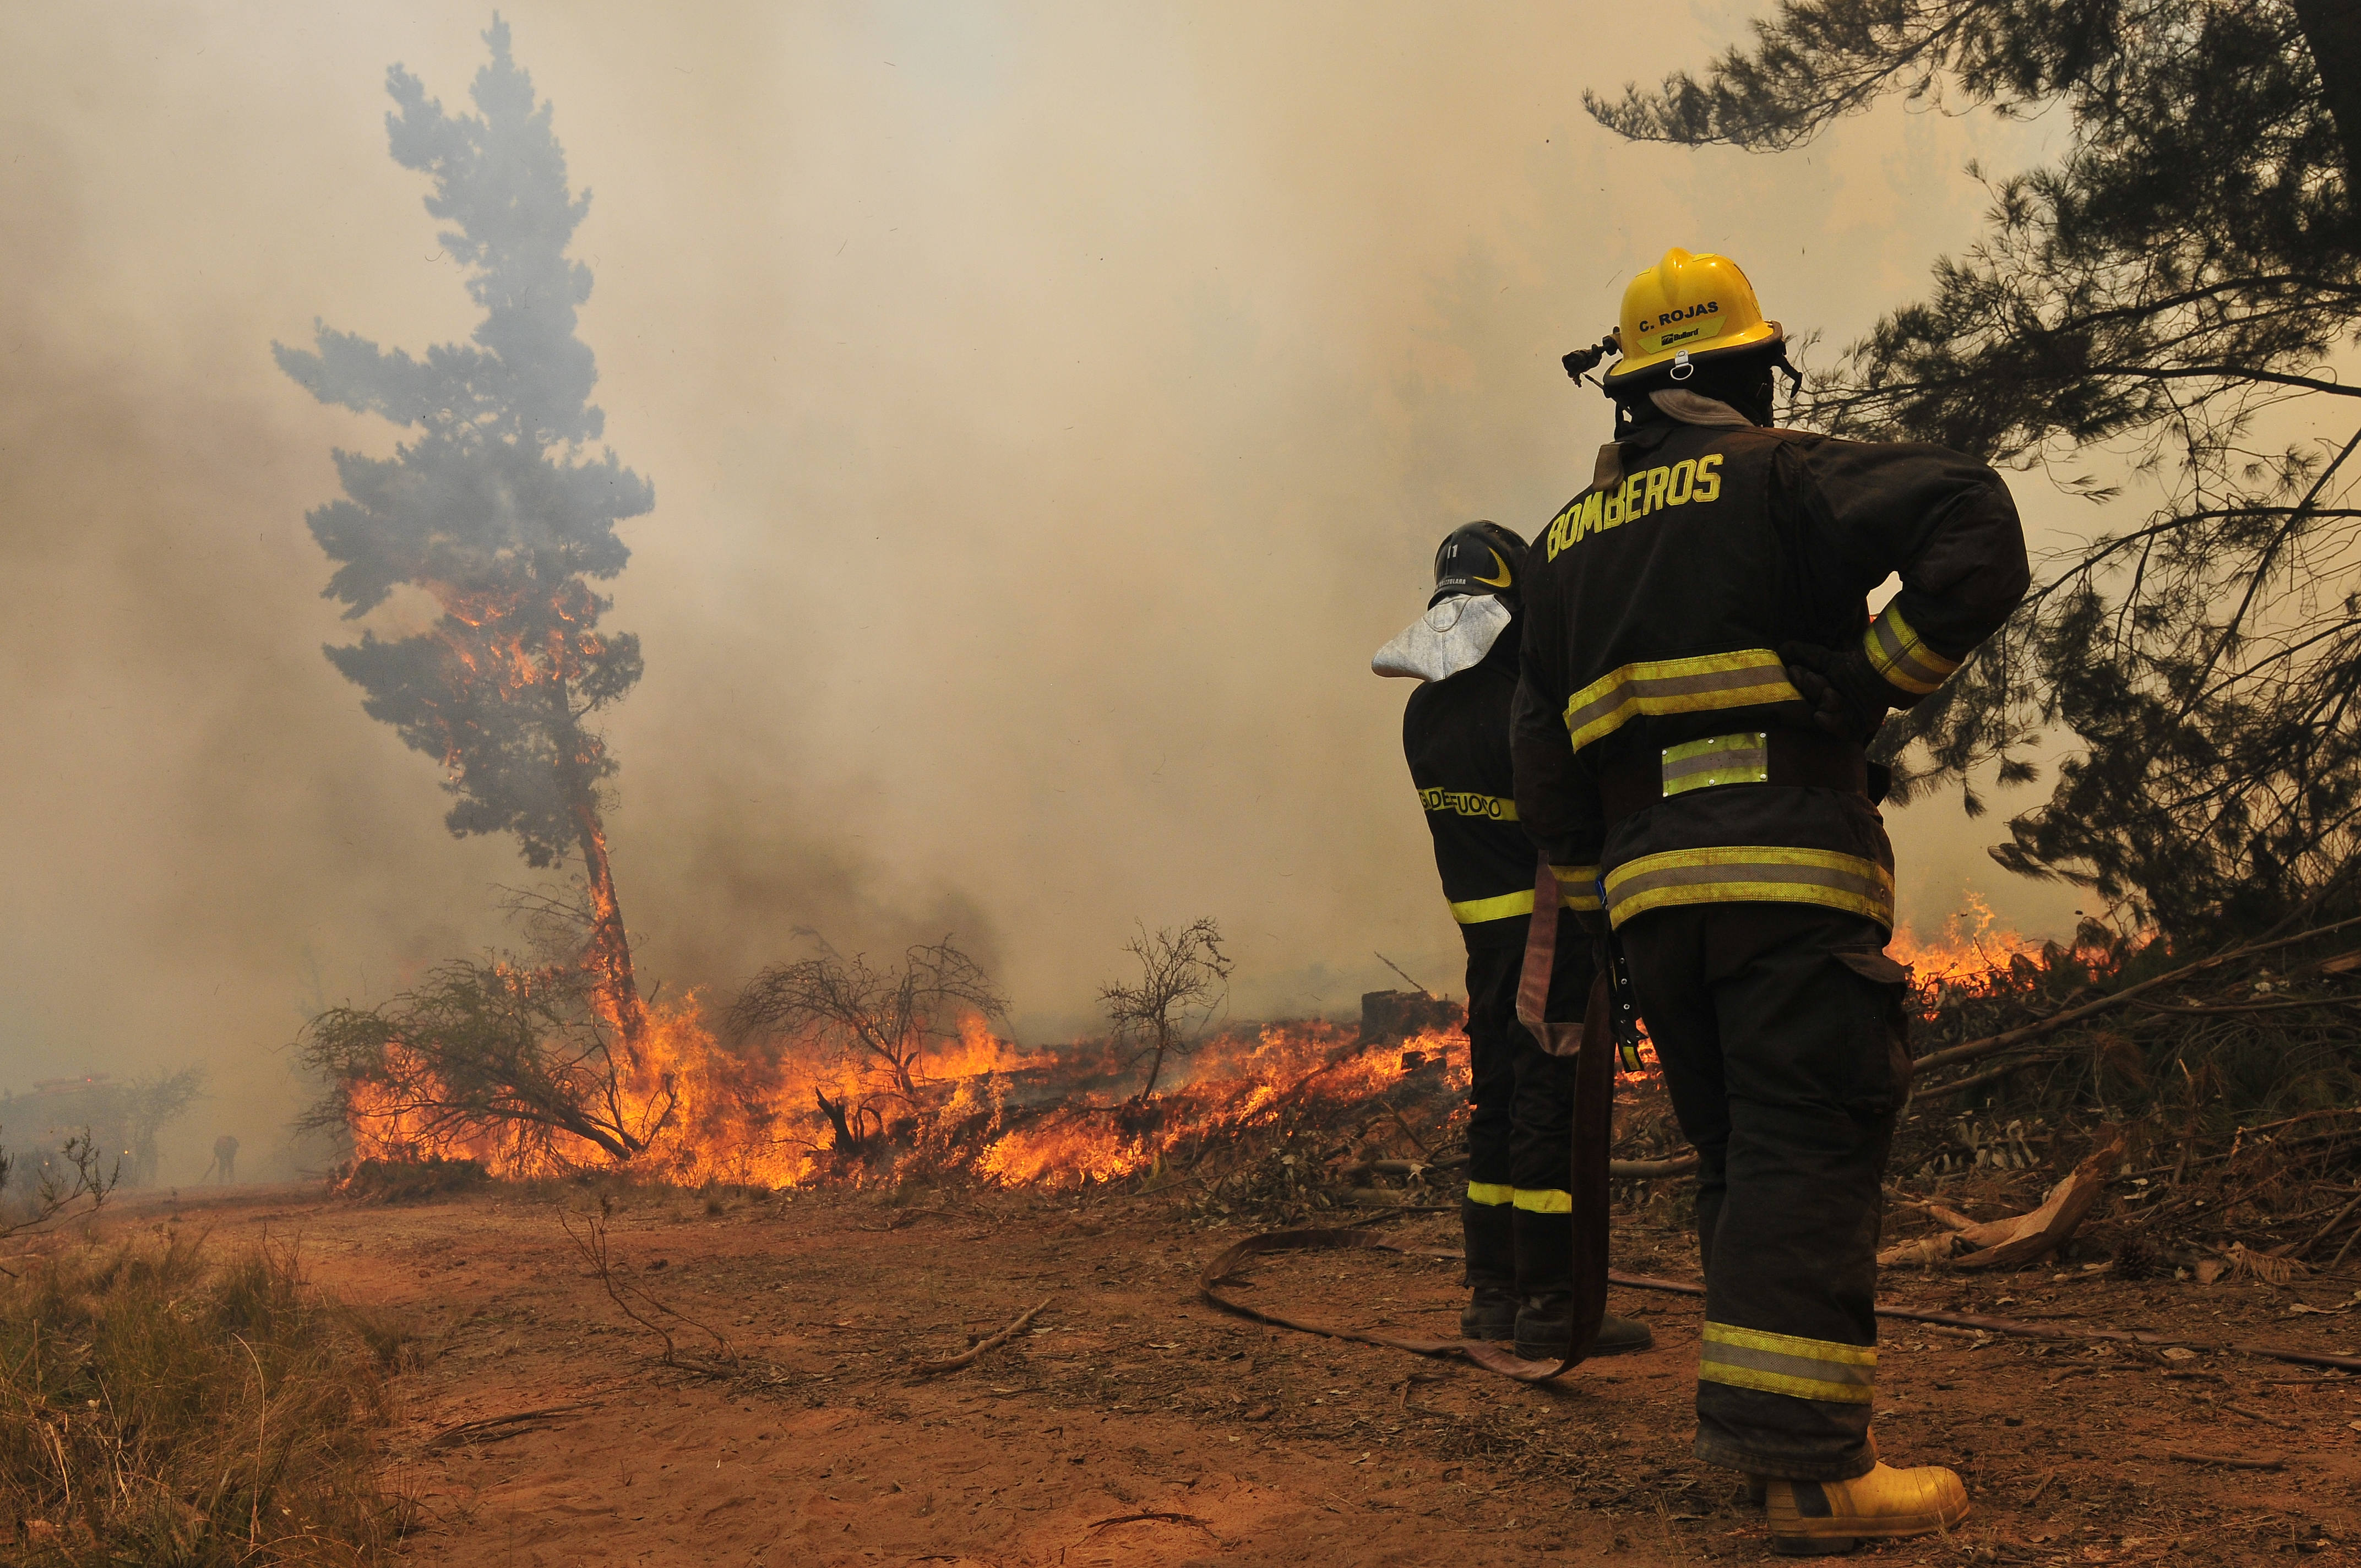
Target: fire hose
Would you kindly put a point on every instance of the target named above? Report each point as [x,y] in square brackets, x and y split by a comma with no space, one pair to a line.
[1592,1044]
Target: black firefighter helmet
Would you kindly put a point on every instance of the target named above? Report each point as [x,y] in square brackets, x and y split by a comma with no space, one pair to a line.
[1478,558]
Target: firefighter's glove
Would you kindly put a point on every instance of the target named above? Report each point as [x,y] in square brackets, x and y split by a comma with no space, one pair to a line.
[1846,697]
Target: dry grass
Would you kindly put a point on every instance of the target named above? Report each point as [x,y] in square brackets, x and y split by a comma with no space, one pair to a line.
[158,1407]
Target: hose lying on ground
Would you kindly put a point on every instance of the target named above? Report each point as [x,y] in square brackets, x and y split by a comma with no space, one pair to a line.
[1217,1274]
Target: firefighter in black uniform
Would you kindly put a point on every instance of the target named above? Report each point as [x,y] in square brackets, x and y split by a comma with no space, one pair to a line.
[1518,1213]
[1700,674]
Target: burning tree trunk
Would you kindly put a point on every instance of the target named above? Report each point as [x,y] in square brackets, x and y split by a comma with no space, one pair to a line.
[611,943]
[498,509]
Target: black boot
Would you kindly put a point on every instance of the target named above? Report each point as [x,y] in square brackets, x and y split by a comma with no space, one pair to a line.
[1545,1292]
[1491,1310]
[1546,1328]
[1490,1313]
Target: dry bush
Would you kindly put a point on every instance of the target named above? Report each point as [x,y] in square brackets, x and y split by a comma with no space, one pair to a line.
[1181,986]
[156,1407]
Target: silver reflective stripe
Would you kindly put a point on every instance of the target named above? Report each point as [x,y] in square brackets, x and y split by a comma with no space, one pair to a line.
[1900,657]
[1751,874]
[1787,1363]
[1718,759]
[1751,677]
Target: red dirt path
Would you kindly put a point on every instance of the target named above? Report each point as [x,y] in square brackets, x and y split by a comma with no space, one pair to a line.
[1136,1425]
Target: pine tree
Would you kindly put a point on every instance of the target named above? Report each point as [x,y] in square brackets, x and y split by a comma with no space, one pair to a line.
[495,507]
[2188,265]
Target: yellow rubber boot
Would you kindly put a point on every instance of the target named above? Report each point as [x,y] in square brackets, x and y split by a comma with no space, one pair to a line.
[1758,1487]
[1816,1518]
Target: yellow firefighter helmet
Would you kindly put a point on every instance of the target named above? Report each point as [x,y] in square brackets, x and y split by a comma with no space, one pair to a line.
[1683,309]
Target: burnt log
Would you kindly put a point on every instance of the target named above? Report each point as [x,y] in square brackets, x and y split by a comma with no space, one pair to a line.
[1388,1016]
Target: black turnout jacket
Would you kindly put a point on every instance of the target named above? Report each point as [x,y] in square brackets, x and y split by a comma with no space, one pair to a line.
[1654,708]
[1456,735]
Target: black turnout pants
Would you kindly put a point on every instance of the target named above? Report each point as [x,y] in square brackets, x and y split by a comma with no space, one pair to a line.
[1518,1216]
[1782,1037]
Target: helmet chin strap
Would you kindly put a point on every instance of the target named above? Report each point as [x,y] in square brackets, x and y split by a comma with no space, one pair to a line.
[1794,377]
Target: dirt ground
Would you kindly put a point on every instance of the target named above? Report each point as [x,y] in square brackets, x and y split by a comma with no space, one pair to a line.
[1135,1424]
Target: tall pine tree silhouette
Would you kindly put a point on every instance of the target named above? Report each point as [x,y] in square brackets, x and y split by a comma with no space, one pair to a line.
[495,507]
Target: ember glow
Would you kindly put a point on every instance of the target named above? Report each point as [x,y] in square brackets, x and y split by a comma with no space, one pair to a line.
[986,1109]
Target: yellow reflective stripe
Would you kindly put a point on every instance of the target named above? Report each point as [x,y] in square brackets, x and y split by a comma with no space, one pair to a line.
[1718,759]
[1545,1201]
[1787,1363]
[1901,656]
[1748,678]
[1578,887]
[1462,802]
[1751,874]
[1476,911]
[1490,1194]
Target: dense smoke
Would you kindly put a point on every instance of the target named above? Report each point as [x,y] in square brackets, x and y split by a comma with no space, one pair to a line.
[1053,407]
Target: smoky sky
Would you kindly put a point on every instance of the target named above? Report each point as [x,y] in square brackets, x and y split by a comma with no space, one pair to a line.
[1050,409]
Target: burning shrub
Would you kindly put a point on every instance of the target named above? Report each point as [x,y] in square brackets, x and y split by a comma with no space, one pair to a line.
[158,1410]
[883,1020]
[490,1055]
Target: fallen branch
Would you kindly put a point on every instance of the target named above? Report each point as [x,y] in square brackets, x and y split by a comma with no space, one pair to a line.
[1978,1080]
[967,1357]
[2322,1235]
[470,1432]
[2021,1238]
[2253,1415]
[1976,1050]
[2228,1462]
[592,1246]
[1165,1518]
[1637,1169]
[1403,1122]
[2250,1006]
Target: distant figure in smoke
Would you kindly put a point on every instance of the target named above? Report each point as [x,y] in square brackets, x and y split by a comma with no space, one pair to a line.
[225,1158]
[1518,1215]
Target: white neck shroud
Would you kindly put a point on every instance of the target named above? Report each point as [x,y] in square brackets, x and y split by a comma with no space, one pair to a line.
[1453,635]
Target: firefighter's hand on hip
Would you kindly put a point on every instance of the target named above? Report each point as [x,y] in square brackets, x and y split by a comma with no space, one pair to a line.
[1847,703]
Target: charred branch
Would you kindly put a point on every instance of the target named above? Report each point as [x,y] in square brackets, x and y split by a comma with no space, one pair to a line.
[882,1019]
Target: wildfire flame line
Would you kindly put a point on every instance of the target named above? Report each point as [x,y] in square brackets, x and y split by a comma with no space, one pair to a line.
[992,1111]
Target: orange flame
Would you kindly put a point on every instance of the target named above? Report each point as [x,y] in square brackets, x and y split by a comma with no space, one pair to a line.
[1972,943]
[989,1110]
